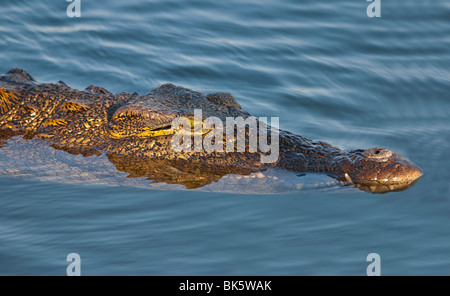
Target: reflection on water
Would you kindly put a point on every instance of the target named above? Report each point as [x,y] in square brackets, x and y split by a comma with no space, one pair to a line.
[35,159]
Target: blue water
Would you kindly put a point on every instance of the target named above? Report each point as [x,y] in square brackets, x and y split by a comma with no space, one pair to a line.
[324,67]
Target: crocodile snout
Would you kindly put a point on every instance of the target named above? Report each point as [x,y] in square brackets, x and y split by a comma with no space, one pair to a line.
[382,170]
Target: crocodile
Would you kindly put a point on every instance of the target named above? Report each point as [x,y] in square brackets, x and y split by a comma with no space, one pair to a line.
[136,133]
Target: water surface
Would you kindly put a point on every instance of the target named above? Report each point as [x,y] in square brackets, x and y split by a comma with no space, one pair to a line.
[326,69]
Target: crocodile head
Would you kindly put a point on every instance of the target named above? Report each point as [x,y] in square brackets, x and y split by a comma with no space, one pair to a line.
[152,115]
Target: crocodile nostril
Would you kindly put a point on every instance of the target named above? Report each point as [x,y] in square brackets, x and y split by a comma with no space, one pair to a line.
[377,153]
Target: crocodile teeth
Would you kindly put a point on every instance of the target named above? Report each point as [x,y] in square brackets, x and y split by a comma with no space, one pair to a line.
[347,177]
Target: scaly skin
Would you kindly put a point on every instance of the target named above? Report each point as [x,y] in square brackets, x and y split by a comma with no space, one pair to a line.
[135,133]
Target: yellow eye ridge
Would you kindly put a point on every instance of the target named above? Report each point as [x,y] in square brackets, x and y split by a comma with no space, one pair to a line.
[144,134]
[147,133]
[193,124]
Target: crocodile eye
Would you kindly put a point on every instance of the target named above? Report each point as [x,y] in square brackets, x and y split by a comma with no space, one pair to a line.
[138,121]
[149,117]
